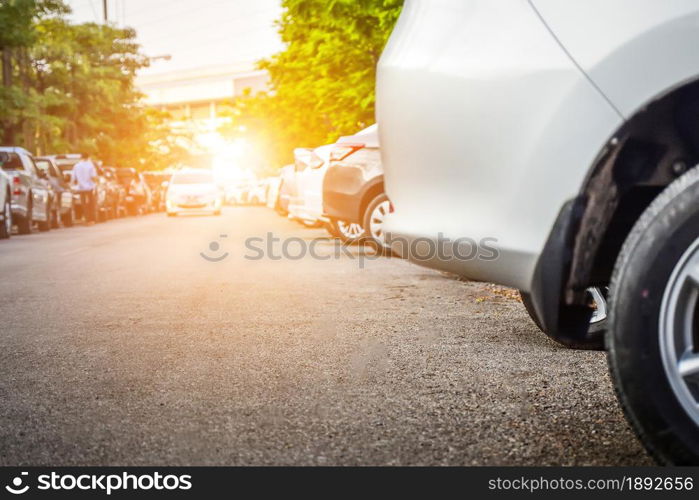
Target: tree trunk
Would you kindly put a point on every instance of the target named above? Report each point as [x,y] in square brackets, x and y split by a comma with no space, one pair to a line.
[6,67]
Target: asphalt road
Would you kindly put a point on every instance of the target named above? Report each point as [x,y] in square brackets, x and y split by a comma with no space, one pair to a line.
[121,345]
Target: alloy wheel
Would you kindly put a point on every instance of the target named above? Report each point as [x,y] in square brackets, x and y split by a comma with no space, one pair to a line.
[679,331]
[376,221]
[350,230]
[600,302]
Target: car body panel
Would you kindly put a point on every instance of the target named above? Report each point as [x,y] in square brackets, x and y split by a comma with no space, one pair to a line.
[665,33]
[307,204]
[62,196]
[477,103]
[5,194]
[27,185]
[347,181]
[189,191]
[287,189]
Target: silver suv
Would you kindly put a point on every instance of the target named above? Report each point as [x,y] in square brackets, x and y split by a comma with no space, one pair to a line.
[29,188]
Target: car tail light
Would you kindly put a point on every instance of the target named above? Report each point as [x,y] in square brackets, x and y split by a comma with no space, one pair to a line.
[17,182]
[340,152]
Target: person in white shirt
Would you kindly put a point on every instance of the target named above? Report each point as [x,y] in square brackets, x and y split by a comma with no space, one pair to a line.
[83,178]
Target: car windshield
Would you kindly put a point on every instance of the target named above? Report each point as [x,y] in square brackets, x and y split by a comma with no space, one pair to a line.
[13,162]
[193,178]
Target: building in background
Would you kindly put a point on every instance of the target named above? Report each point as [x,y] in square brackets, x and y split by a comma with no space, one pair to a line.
[194,97]
[203,53]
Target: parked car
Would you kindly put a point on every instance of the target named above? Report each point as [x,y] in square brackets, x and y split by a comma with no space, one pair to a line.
[5,202]
[273,190]
[257,194]
[157,183]
[287,188]
[306,202]
[138,196]
[116,193]
[65,163]
[353,189]
[193,190]
[30,190]
[567,160]
[61,201]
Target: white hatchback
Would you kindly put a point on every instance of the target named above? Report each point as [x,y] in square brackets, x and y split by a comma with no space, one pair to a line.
[193,191]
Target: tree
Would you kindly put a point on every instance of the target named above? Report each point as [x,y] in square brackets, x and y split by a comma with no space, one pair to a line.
[322,84]
[17,33]
[70,87]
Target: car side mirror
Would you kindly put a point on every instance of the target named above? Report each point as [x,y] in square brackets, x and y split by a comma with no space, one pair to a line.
[4,157]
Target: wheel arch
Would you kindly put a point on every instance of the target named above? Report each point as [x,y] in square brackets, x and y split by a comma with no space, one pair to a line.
[373,188]
[655,146]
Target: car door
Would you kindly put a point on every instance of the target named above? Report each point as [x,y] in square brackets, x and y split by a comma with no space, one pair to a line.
[39,187]
[313,188]
[302,158]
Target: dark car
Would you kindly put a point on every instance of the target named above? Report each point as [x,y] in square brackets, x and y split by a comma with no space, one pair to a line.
[353,190]
[62,211]
[138,194]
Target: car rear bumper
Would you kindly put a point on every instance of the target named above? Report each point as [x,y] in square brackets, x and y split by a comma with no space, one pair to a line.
[487,128]
[204,206]
[344,187]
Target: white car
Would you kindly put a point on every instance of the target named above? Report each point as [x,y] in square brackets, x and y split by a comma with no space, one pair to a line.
[6,204]
[193,191]
[306,202]
[559,140]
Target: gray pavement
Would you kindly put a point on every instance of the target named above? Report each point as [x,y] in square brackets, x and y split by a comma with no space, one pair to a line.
[121,345]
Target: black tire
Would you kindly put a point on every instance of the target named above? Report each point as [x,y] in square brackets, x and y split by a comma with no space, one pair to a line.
[6,232]
[68,218]
[595,334]
[55,219]
[529,306]
[45,226]
[25,224]
[660,238]
[378,246]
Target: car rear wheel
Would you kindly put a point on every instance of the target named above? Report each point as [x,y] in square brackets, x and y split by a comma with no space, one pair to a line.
[25,224]
[374,218]
[45,225]
[68,218]
[653,335]
[597,299]
[55,219]
[6,227]
[348,232]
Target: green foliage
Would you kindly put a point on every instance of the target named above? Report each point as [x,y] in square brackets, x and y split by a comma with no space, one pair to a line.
[323,82]
[70,87]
